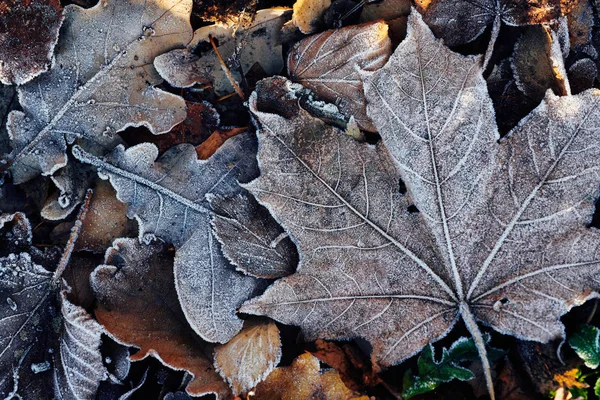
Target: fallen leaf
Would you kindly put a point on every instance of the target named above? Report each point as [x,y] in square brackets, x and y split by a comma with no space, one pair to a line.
[167,198]
[305,380]
[49,344]
[8,102]
[580,19]
[462,21]
[252,240]
[570,379]
[137,304]
[329,64]
[102,81]
[28,34]
[257,43]
[250,356]
[308,14]
[498,224]
[582,75]
[538,64]
[393,12]
[106,220]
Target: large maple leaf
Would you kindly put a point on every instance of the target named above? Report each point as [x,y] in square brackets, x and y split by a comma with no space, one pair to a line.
[501,237]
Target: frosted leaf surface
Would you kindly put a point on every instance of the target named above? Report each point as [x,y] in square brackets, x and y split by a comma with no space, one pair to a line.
[250,356]
[329,64]
[168,198]
[461,21]
[135,289]
[101,82]
[258,43]
[252,240]
[47,342]
[26,48]
[501,237]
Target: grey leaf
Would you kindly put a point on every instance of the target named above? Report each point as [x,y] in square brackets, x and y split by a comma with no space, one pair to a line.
[508,221]
[168,198]
[101,82]
[329,64]
[252,240]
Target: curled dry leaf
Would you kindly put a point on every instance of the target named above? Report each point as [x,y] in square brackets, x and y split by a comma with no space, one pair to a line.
[461,21]
[538,64]
[28,34]
[250,356]
[40,352]
[101,82]
[308,14]
[167,197]
[498,224]
[329,64]
[305,380]
[259,43]
[137,305]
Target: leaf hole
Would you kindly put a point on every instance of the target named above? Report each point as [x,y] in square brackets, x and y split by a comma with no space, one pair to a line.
[412,209]
[401,186]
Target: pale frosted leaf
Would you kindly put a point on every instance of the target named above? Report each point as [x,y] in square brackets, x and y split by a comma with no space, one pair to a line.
[250,356]
[137,305]
[252,240]
[27,39]
[101,82]
[461,21]
[210,289]
[308,14]
[538,64]
[329,64]
[258,43]
[78,363]
[168,198]
[339,200]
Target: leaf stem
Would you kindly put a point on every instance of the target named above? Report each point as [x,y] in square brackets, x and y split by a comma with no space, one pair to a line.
[471,324]
[226,70]
[66,257]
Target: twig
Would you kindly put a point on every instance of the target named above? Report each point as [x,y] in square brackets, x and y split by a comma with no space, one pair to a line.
[66,257]
[226,70]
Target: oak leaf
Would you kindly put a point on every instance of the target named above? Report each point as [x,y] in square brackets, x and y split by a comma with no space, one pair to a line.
[42,354]
[501,235]
[28,34]
[102,81]
[168,198]
[329,64]
[137,305]
[250,356]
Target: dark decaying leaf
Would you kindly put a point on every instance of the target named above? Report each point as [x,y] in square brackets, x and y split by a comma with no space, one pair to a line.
[250,356]
[461,21]
[537,64]
[582,75]
[101,82]
[252,240]
[329,64]
[259,43]
[49,345]
[8,102]
[168,198]
[305,380]
[137,305]
[28,34]
[498,224]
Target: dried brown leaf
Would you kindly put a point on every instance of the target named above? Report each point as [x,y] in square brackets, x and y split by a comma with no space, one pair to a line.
[137,305]
[250,356]
[308,14]
[330,63]
[28,34]
[305,380]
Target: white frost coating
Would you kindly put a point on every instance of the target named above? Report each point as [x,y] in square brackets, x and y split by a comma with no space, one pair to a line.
[94,88]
